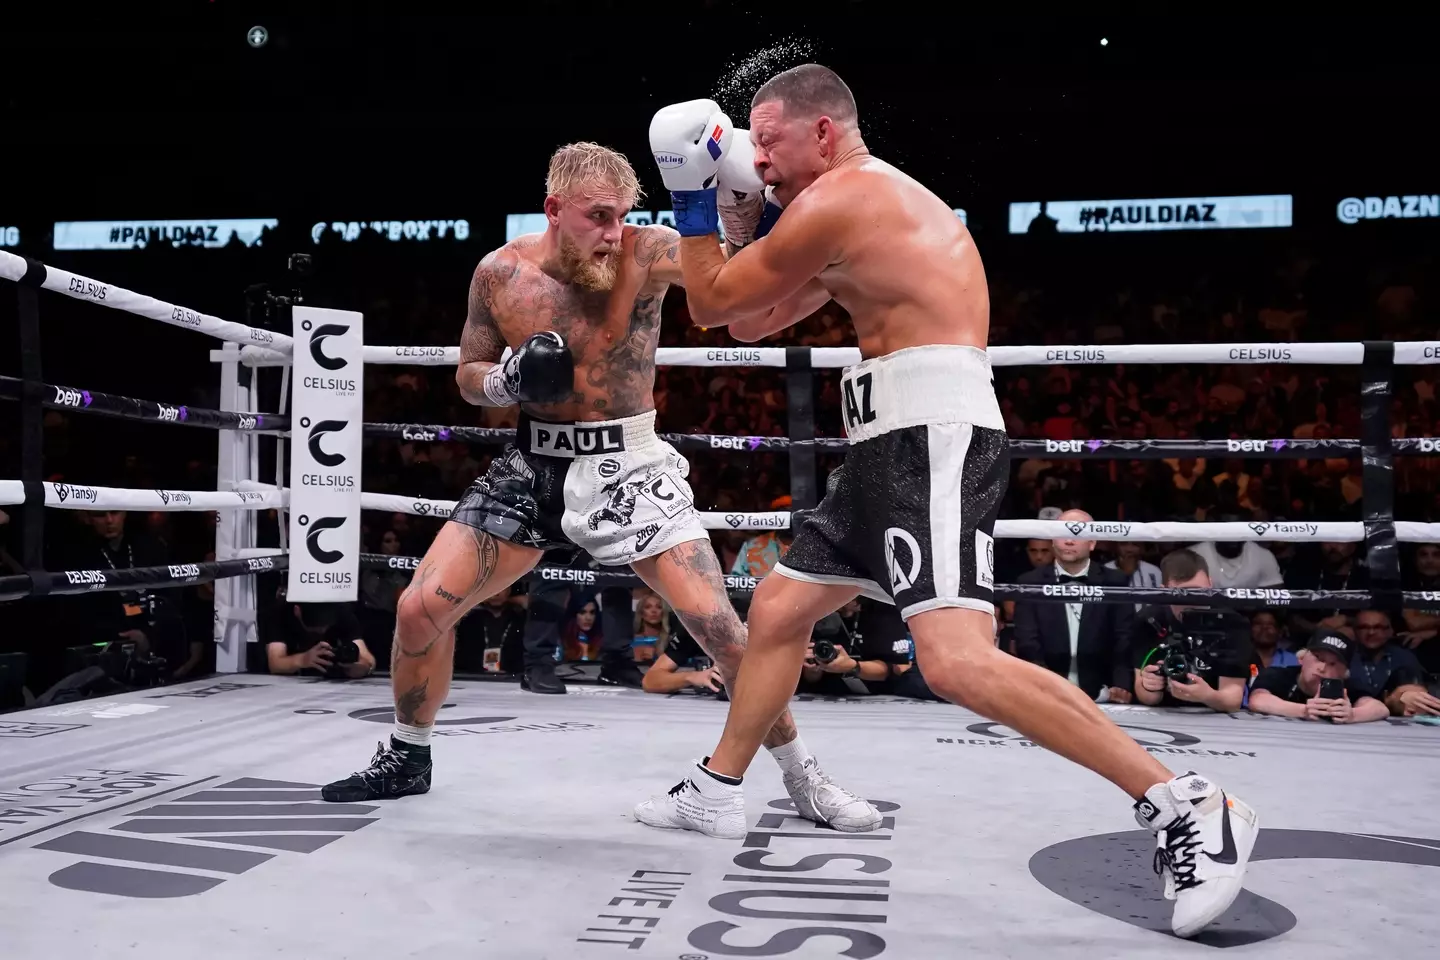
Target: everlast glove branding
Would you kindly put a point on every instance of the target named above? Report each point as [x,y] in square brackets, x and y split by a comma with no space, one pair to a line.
[325,466]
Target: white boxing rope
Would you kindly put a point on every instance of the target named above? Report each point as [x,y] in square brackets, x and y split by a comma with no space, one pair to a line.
[1418,352]
[109,295]
[1145,353]
[74,496]
[1189,532]
[1165,531]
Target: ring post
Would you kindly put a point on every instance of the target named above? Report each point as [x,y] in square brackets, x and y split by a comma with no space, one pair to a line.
[800,404]
[233,614]
[1377,473]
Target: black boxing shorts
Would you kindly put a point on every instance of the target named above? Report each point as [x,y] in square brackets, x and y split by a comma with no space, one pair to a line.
[612,488]
[909,518]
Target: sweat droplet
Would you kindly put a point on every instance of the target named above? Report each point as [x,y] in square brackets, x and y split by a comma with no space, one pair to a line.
[743,77]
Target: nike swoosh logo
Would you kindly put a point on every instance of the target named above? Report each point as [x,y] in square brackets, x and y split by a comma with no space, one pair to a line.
[642,544]
[1227,852]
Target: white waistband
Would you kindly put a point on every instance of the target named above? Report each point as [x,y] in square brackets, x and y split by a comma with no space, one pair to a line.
[919,385]
[587,438]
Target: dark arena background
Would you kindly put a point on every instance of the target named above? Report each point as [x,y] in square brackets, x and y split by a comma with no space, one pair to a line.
[1211,252]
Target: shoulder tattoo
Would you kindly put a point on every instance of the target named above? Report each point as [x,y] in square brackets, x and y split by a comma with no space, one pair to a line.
[481,339]
[655,243]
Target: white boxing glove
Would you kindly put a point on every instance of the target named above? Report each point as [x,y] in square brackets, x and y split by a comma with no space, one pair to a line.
[741,194]
[688,141]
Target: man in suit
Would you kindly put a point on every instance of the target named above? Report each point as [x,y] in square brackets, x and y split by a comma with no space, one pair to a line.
[1086,642]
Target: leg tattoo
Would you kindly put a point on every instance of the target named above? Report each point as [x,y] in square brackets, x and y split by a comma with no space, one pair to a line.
[426,615]
[717,628]
[409,702]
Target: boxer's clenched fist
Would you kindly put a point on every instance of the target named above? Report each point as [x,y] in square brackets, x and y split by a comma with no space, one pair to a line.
[541,371]
[688,141]
[741,192]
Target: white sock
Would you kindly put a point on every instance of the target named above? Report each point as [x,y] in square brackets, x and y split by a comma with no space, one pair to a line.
[792,757]
[414,736]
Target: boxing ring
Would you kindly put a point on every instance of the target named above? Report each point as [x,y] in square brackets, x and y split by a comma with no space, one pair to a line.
[206,793]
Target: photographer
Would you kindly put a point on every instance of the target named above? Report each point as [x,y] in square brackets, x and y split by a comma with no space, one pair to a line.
[1185,655]
[682,664]
[324,637]
[855,650]
[1317,688]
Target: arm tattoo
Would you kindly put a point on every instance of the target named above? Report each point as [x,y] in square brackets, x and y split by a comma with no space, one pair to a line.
[482,340]
[655,243]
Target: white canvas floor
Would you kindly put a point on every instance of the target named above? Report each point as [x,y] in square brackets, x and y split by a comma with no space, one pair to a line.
[185,822]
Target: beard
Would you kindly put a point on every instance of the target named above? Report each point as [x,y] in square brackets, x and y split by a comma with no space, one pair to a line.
[585,272]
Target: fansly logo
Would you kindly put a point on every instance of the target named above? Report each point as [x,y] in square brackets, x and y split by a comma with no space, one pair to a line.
[567,576]
[66,491]
[1064,446]
[80,578]
[1073,590]
[1267,594]
[250,496]
[67,398]
[259,564]
[403,563]
[318,336]
[417,433]
[174,496]
[184,571]
[1245,446]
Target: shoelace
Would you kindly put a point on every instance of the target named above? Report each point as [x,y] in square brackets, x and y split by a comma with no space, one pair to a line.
[385,763]
[676,790]
[1178,854]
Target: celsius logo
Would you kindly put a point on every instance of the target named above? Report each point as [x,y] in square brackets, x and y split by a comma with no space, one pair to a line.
[316,433]
[312,537]
[317,343]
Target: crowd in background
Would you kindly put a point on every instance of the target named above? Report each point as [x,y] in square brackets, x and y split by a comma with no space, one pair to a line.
[1040,294]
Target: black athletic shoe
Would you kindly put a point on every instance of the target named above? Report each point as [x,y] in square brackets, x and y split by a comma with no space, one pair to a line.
[542,679]
[392,773]
[621,673]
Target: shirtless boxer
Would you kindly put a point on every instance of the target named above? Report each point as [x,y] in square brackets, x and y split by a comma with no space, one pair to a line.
[910,516]
[580,307]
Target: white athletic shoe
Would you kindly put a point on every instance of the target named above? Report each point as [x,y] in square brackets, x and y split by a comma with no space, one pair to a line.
[819,798]
[1205,838]
[700,803]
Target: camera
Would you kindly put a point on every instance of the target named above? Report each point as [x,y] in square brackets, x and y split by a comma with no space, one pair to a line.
[1193,642]
[346,652]
[825,651]
[1176,664]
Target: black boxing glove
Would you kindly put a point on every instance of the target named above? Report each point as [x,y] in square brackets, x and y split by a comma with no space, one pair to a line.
[540,371]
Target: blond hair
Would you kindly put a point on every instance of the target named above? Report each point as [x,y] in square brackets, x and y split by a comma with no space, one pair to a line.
[577,165]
